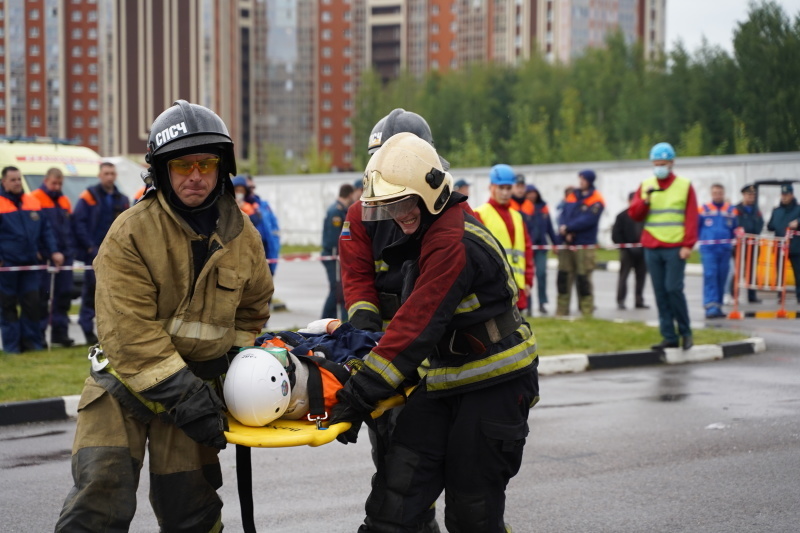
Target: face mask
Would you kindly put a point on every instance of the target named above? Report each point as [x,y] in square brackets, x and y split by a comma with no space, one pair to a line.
[240,197]
[661,172]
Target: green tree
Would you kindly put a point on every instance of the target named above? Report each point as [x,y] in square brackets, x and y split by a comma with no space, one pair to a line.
[767,48]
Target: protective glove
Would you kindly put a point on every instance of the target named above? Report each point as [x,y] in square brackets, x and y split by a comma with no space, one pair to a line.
[356,403]
[193,406]
[323,325]
[343,412]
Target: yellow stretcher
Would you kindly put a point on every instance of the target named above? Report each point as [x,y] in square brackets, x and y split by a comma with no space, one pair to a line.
[285,433]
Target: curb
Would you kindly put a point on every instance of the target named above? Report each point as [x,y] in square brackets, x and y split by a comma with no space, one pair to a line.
[66,407]
[573,363]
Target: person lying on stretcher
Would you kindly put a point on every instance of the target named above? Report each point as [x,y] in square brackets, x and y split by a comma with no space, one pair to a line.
[263,384]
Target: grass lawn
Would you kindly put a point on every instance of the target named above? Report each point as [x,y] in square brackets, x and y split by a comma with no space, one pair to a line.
[61,372]
[558,336]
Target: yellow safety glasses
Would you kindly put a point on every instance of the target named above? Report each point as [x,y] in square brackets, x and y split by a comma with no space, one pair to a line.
[184,168]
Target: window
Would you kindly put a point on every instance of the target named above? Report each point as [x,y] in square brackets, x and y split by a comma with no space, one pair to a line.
[348,140]
[348,104]
[77,69]
[326,35]
[94,121]
[435,46]
[77,33]
[326,70]
[35,86]
[326,16]
[347,33]
[91,16]
[2,50]
[348,87]
[93,104]
[77,104]
[326,122]
[33,32]
[93,139]
[77,16]
[77,122]
[347,68]
[36,103]
[33,14]
[93,87]
[92,33]
[36,121]
[326,51]
[77,87]
[2,121]
[34,50]
[92,68]
[326,105]
[92,52]
[326,140]
[326,87]
[77,51]
[434,28]
[347,52]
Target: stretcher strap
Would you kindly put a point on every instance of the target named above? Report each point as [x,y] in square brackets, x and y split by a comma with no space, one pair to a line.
[244,483]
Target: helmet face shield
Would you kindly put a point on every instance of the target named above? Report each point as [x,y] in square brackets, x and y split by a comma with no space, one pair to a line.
[372,211]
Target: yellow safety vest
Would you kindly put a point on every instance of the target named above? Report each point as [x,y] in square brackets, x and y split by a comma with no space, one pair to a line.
[666,218]
[515,254]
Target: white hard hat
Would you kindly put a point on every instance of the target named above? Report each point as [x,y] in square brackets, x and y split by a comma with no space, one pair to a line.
[256,387]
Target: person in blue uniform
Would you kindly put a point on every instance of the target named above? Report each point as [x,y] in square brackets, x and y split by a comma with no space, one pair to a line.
[717,222]
[57,209]
[331,230]
[96,208]
[26,239]
[752,222]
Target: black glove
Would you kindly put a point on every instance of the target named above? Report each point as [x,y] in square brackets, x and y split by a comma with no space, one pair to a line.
[201,417]
[343,412]
[193,406]
[356,404]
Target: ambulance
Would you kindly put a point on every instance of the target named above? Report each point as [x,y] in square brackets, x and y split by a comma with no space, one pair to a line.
[79,164]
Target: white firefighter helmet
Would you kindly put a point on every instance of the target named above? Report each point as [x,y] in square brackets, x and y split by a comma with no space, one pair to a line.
[405,170]
[256,387]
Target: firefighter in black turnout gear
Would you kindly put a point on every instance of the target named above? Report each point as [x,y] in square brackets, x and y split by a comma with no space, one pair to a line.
[463,429]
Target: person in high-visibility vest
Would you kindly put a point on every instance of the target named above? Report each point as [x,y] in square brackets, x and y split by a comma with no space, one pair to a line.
[508,226]
[668,206]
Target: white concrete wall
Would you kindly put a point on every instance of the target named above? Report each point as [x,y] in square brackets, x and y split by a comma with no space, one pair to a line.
[300,201]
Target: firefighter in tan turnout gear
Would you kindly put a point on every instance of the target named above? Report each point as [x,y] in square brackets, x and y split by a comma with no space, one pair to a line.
[181,282]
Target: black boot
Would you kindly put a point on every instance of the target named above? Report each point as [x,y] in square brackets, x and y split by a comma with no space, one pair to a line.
[665,344]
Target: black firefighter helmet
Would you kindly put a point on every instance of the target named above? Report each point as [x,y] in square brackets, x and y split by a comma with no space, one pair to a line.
[398,121]
[183,129]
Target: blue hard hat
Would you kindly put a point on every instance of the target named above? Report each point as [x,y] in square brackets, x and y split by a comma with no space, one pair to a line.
[662,151]
[502,175]
[239,181]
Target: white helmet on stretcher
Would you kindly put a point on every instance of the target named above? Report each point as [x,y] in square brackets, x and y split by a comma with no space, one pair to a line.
[256,387]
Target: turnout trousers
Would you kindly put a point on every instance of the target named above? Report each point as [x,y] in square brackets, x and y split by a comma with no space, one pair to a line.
[469,445]
[575,267]
[106,460]
[666,274]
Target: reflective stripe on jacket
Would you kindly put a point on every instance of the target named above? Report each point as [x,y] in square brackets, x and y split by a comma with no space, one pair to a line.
[151,313]
[515,253]
[666,217]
